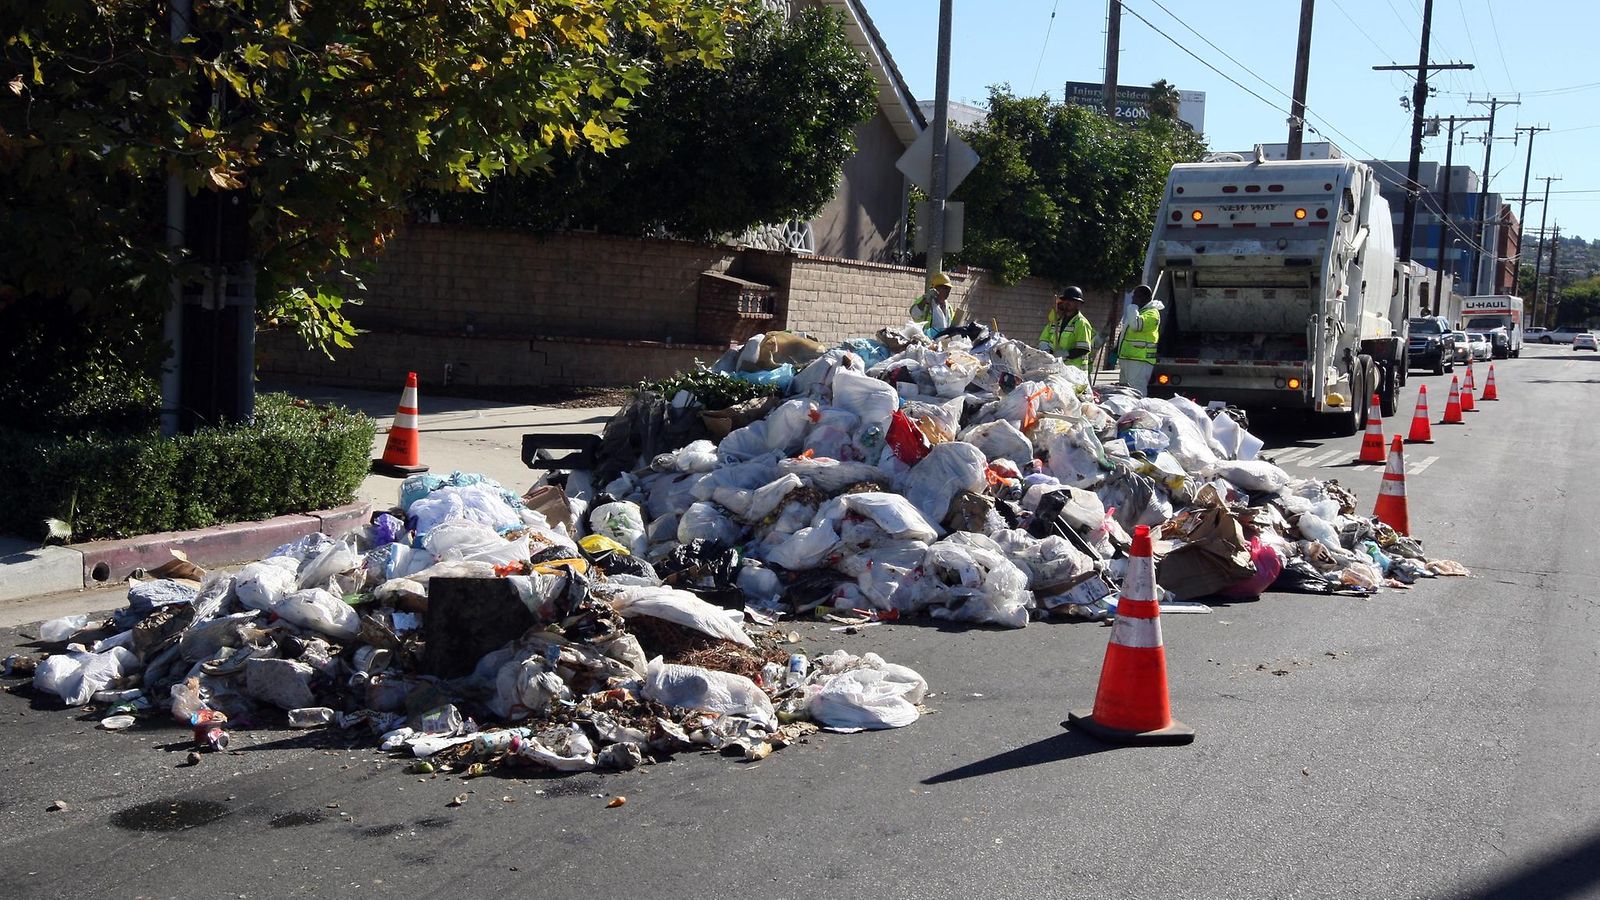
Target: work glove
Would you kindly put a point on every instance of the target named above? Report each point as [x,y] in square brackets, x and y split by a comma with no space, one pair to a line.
[1045,346]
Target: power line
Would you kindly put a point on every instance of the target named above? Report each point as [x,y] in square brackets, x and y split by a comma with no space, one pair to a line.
[1042,50]
[1498,44]
[1202,61]
[1346,13]
[1213,46]
[1471,44]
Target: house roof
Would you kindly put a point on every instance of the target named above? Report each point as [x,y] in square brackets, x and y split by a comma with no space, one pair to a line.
[894,96]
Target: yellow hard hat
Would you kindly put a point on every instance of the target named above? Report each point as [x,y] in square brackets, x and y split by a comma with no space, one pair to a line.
[939,279]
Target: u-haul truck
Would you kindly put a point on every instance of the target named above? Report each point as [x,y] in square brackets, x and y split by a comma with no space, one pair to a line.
[1280,287]
[1497,315]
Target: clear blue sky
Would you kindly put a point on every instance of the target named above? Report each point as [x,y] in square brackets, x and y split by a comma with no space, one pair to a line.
[1542,51]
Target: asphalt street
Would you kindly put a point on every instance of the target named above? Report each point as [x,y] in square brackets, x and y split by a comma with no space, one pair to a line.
[1441,742]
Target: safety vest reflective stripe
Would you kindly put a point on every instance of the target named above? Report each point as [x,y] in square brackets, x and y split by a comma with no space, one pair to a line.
[1139,342]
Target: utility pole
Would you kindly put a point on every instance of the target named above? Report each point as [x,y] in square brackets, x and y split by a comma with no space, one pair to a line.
[1444,214]
[1113,50]
[1522,211]
[172,326]
[1550,288]
[1302,71]
[941,147]
[1419,99]
[1494,104]
[1538,262]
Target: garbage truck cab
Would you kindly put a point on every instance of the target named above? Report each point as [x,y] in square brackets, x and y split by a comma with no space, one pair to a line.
[1280,287]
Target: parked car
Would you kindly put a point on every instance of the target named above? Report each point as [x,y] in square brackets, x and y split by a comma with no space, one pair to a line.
[1463,348]
[1480,347]
[1562,335]
[1432,344]
[1535,335]
[1586,341]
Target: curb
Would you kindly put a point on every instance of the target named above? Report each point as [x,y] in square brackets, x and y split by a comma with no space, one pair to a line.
[108,562]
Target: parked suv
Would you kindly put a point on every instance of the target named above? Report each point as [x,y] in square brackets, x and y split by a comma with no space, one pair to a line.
[1562,335]
[1432,345]
[1535,335]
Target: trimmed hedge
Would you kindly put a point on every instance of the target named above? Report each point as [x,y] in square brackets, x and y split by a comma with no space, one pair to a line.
[296,457]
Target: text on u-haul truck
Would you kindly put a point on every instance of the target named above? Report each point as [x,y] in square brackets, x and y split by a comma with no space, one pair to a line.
[1280,287]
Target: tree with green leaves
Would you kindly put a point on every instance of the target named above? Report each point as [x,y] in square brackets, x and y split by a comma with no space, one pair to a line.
[1579,303]
[712,150]
[326,114]
[1065,193]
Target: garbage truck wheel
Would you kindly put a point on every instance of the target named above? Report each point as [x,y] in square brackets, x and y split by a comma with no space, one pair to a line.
[1352,422]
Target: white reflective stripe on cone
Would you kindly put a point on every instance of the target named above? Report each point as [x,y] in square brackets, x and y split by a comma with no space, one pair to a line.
[1139,582]
[408,397]
[1392,487]
[1136,632]
[405,420]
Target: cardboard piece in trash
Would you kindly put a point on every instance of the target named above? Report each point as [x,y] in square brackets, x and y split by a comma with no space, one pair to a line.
[178,569]
[549,501]
[722,421]
[1205,550]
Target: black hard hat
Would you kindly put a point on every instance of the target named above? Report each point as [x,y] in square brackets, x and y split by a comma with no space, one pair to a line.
[1070,293]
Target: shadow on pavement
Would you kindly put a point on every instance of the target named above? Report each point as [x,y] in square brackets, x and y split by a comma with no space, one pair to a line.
[1068,744]
[1571,872]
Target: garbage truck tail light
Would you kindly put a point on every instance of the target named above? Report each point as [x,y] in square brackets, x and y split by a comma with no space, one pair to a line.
[1294,384]
[1197,215]
[1300,213]
[1163,379]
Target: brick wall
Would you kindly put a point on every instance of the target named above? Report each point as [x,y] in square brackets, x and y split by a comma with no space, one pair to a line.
[475,281]
[469,306]
[381,360]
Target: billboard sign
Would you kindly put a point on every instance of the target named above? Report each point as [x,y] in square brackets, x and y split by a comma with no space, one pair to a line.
[1133,103]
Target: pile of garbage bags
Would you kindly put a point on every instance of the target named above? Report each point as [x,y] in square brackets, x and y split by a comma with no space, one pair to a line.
[467,630]
[611,617]
[970,478]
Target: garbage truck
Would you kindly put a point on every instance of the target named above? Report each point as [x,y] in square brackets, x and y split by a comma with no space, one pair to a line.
[1280,287]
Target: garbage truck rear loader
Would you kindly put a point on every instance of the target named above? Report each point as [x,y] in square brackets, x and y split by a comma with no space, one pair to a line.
[1280,286]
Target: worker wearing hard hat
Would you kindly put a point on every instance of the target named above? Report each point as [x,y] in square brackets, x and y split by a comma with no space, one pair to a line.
[1067,334]
[1141,329]
[932,310]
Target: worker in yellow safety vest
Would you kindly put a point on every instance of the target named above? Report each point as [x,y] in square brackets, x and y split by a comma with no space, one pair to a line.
[932,310]
[1067,334]
[1141,329]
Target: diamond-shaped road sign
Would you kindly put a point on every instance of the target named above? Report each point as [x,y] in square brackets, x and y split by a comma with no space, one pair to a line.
[917,162]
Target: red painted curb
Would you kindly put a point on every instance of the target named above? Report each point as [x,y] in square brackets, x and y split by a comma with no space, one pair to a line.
[106,562]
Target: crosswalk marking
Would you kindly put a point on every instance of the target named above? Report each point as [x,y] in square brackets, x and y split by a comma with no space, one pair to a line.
[1323,459]
[1317,457]
[1417,468]
[1284,457]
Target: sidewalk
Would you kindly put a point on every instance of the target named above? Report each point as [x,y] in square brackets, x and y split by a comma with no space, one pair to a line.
[470,435]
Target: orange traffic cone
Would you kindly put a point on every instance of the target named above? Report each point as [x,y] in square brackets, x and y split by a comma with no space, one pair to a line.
[1131,706]
[1420,432]
[1467,387]
[400,452]
[1391,508]
[1372,444]
[1452,409]
[1489,393]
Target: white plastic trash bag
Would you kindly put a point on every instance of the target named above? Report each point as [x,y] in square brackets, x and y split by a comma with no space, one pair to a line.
[691,687]
[76,675]
[704,521]
[622,522]
[476,502]
[261,585]
[871,400]
[999,440]
[677,606]
[947,470]
[320,611]
[1256,476]
[564,748]
[891,512]
[863,698]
